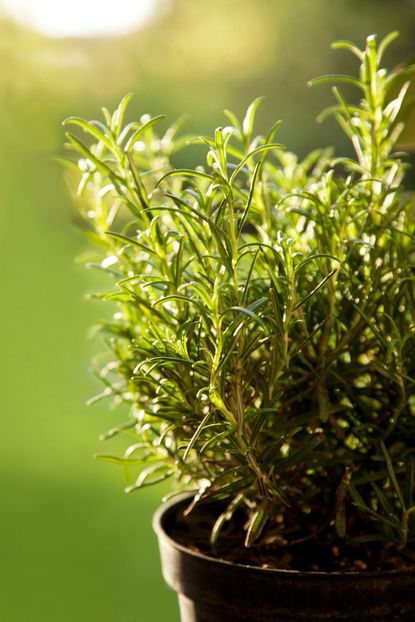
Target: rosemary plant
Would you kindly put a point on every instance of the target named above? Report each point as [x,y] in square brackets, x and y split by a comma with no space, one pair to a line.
[263,334]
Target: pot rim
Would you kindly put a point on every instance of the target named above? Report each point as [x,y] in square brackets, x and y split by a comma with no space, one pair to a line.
[160,531]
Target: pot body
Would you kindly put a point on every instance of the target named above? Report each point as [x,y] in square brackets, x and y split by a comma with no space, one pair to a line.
[212,590]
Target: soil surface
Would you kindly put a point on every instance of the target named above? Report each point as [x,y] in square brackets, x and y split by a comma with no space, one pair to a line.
[321,552]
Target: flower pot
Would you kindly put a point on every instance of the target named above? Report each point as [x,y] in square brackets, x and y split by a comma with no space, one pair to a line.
[213,590]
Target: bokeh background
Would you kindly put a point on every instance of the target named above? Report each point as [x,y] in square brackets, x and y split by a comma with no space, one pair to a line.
[74,547]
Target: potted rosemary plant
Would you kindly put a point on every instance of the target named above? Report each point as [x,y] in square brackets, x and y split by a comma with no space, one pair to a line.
[263,337]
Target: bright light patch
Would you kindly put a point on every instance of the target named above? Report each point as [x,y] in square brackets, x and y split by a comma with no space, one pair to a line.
[80,18]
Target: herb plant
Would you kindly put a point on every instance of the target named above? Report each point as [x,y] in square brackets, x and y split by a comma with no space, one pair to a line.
[263,334]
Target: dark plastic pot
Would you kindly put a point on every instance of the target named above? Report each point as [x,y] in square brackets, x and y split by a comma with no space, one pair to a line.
[212,590]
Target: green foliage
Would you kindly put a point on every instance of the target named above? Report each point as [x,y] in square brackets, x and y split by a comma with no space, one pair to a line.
[264,328]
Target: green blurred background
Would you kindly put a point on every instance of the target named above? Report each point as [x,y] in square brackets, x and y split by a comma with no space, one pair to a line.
[74,547]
